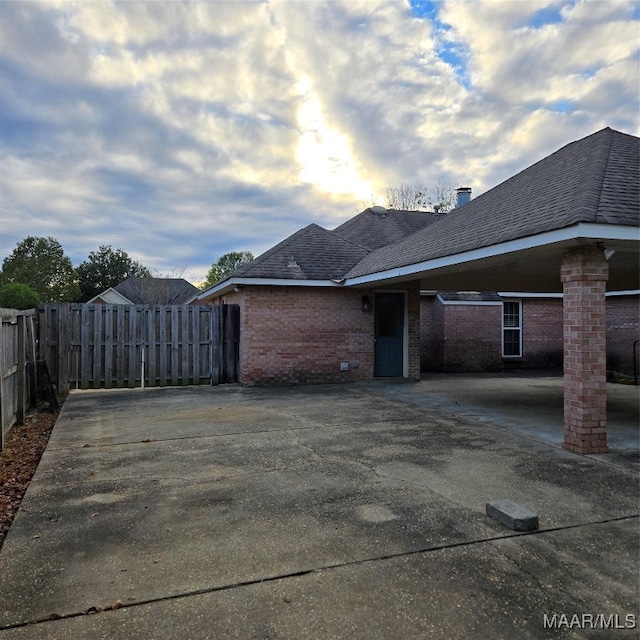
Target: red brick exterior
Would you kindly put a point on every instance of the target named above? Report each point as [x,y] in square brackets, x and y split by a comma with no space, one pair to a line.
[291,335]
[623,329]
[541,333]
[431,334]
[584,275]
[467,338]
[460,337]
[413,329]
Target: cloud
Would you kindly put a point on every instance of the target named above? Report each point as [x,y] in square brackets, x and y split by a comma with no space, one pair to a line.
[179,131]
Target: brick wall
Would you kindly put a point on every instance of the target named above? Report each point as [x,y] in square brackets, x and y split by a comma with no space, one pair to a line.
[413,307]
[431,333]
[622,330]
[542,333]
[303,334]
[472,338]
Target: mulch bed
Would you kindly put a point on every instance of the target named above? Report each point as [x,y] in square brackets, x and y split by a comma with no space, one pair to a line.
[24,446]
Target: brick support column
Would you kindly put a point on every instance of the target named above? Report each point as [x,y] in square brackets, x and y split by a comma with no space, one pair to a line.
[584,275]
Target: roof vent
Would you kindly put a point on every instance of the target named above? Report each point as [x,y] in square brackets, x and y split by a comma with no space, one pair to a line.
[377,209]
[463,195]
[292,263]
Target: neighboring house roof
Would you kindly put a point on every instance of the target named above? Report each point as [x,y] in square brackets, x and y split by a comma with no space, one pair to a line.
[592,180]
[149,291]
[110,296]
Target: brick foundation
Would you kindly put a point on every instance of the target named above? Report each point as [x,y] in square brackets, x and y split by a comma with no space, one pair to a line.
[584,275]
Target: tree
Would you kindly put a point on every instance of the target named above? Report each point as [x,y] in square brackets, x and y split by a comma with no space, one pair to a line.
[41,264]
[440,197]
[18,296]
[106,268]
[226,265]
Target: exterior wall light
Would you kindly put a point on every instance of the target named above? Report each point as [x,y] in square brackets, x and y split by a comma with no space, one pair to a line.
[366,304]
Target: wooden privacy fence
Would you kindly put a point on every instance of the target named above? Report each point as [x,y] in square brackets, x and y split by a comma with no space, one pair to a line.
[17,358]
[104,346]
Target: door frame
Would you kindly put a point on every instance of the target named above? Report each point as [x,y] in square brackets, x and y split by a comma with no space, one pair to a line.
[405,328]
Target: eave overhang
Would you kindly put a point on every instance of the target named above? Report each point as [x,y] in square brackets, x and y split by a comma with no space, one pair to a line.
[545,248]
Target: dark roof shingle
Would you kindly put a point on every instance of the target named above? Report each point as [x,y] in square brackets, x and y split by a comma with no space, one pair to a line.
[374,230]
[156,290]
[313,253]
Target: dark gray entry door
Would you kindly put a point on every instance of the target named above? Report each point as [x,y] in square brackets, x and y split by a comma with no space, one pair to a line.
[389,335]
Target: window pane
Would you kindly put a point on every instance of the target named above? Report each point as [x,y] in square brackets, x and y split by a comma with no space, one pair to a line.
[512,342]
[387,318]
[511,314]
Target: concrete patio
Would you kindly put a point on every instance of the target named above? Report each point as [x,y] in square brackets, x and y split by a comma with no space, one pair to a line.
[331,511]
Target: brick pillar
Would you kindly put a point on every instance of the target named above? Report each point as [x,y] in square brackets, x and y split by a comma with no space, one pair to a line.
[584,275]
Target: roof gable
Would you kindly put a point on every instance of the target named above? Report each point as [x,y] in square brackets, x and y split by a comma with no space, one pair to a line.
[313,253]
[110,296]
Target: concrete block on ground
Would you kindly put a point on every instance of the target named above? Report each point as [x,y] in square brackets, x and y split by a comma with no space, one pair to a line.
[512,515]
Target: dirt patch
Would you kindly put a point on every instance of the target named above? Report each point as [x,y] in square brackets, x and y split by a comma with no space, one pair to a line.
[24,446]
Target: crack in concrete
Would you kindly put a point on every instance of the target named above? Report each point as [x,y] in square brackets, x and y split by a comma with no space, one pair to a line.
[296,574]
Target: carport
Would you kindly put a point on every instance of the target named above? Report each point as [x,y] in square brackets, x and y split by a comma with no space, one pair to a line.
[569,224]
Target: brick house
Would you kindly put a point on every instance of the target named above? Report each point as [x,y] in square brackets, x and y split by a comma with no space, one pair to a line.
[345,304]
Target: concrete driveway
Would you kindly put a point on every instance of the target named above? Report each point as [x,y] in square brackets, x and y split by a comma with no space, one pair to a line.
[314,512]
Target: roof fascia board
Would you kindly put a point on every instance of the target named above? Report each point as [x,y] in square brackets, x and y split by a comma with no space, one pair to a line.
[527,294]
[227,285]
[580,231]
[628,292]
[469,303]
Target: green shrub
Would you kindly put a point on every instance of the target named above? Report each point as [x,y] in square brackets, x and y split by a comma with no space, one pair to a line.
[18,296]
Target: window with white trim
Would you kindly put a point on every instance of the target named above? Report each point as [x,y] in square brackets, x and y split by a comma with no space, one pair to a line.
[512,329]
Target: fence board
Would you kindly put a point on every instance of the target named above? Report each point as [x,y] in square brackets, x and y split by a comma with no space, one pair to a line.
[108,347]
[85,347]
[151,347]
[216,347]
[60,372]
[185,340]
[132,347]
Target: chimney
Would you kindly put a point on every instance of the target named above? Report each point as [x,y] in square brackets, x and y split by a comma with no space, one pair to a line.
[463,195]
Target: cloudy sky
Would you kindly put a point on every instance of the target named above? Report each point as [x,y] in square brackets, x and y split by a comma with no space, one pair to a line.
[179,131]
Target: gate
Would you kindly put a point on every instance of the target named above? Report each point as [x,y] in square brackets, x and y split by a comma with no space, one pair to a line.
[104,346]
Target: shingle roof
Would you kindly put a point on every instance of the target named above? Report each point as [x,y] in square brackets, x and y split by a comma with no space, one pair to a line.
[595,179]
[156,290]
[374,230]
[313,253]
